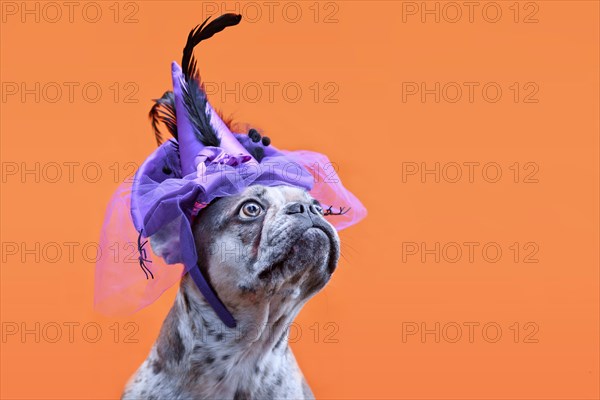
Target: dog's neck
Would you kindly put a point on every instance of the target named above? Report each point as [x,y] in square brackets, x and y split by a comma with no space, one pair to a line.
[197,349]
[261,324]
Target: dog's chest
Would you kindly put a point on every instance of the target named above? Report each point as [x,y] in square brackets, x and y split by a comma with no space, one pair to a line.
[272,378]
[210,371]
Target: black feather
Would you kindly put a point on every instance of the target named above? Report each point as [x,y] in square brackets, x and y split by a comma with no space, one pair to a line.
[194,99]
[200,33]
[163,111]
[194,96]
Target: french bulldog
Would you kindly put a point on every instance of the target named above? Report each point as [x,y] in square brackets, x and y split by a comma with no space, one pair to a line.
[266,252]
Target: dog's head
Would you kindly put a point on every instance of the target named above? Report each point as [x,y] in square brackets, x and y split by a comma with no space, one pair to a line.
[262,244]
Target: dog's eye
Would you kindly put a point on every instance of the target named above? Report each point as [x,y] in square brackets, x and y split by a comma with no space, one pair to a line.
[250,209]
[318,209]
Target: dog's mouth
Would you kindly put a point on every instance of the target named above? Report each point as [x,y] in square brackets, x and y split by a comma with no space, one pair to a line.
[312,246]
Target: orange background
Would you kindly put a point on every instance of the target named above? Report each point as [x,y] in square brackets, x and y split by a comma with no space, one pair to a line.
[369,132]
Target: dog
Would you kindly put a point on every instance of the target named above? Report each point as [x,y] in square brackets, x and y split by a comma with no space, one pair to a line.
[266,252]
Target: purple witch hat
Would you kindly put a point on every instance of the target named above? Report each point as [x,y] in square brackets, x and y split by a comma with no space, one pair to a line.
[202,162]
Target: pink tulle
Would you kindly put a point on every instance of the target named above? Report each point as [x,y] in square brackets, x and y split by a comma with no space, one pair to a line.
[121,286]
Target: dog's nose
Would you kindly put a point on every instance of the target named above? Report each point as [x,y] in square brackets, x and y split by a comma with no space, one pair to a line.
[295,208]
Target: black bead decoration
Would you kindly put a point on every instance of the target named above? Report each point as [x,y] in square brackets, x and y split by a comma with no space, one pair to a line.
[254,135]
[259,153]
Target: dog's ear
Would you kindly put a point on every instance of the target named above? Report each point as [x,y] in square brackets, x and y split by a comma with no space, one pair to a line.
[165,242]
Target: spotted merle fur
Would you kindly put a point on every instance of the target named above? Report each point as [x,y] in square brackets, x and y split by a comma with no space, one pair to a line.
[196,356]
